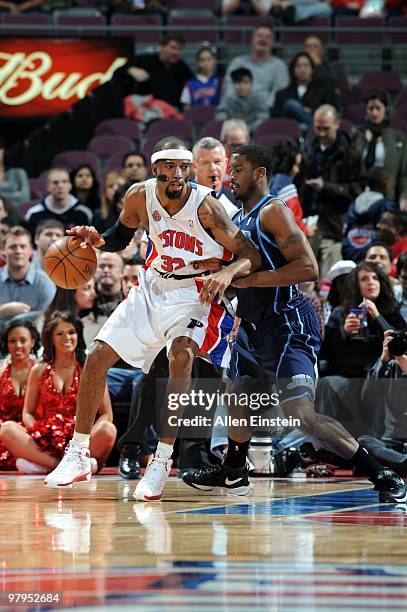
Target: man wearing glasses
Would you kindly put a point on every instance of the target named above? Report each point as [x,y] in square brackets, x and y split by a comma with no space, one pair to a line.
[134,167]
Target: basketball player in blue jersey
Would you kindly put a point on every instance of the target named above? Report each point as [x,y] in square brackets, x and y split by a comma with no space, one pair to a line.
[279,334]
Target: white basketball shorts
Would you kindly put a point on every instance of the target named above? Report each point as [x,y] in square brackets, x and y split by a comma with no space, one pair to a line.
[155,312]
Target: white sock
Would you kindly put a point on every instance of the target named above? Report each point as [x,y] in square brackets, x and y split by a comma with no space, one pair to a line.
[81,439]
[164,450]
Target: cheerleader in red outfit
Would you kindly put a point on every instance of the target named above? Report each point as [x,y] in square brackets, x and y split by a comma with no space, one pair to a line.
[50,402]
[20,340]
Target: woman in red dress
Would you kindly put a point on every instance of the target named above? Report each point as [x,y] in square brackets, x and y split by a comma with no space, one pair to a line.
[20,340]
[50,402]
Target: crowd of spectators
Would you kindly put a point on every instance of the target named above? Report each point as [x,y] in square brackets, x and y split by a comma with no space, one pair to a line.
[287,11]
[347,191]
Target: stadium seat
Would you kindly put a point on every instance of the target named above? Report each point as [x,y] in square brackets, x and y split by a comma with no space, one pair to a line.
[270,140]
[38,187]
[355,113]
[360,31]
[195,29]
[388,81]
[105,146]
[143,28]
[119,127]
[25,24]
[287,127]
[114,162]
[80,25]
[72,159]
[297,34]
[212,128]
[398,37]
[199,115]
[170,127]
[244,28]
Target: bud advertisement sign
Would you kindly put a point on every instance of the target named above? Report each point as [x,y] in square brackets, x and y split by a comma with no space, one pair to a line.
[44,77]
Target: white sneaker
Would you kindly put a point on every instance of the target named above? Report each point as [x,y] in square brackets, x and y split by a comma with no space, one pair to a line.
[29,467]
[94,465]
[75,466]
[151,486]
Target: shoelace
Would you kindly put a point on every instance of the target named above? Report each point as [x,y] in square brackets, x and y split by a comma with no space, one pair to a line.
[72,455]
[155,468]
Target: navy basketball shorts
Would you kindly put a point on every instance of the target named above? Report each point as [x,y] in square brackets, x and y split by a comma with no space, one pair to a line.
[282,350]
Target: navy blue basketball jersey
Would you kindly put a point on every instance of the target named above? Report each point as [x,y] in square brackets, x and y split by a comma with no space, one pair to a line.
[262,303]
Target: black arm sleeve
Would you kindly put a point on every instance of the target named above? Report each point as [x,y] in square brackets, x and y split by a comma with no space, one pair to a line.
[117,237]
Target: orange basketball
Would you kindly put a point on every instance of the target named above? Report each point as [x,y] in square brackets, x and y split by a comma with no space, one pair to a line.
[67,264]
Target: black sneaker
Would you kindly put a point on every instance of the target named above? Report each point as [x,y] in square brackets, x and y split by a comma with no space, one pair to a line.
[129,464]
[233,480]
[390,486]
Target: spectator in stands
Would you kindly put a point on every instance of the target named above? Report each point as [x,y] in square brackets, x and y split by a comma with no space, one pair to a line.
[142,6]
[24,288]
[245,7]
[161,74]
[50,401]
[85,186]
[333,176]
[204,88]
[130,273]
[392,229]
[209,165]
[396,8]
[401,295]
[134,167]
[387,380]
[108,282]
[380,254]
[46,232]
[288,12]
[58,204]
[19,346]
[242,102]
[4,229]
[102,218]
[10,212]
[349,8]
[383,146]
[352,346]
[270,74]
[80,302]
[286,162]
[364,214]
[14,185]
[325,69]
[305,93]
[337,275]
[234,133]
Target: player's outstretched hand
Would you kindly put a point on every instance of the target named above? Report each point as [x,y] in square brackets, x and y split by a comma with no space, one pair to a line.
[89,235]
[214,284]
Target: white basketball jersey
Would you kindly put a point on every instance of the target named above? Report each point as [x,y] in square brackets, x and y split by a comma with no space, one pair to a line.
[179,240]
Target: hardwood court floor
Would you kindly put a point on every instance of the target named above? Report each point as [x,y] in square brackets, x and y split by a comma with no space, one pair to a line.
[295,544]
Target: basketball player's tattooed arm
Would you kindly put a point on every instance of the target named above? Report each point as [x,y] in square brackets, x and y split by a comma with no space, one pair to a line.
[117,237]
[301,266]
[214,218]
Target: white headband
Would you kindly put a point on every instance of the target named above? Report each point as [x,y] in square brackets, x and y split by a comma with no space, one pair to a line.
[172,154]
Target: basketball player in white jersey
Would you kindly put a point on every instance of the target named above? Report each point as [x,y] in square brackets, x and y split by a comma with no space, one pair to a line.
[170,306]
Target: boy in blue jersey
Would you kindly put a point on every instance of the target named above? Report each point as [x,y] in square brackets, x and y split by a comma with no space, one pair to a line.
[279,334]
